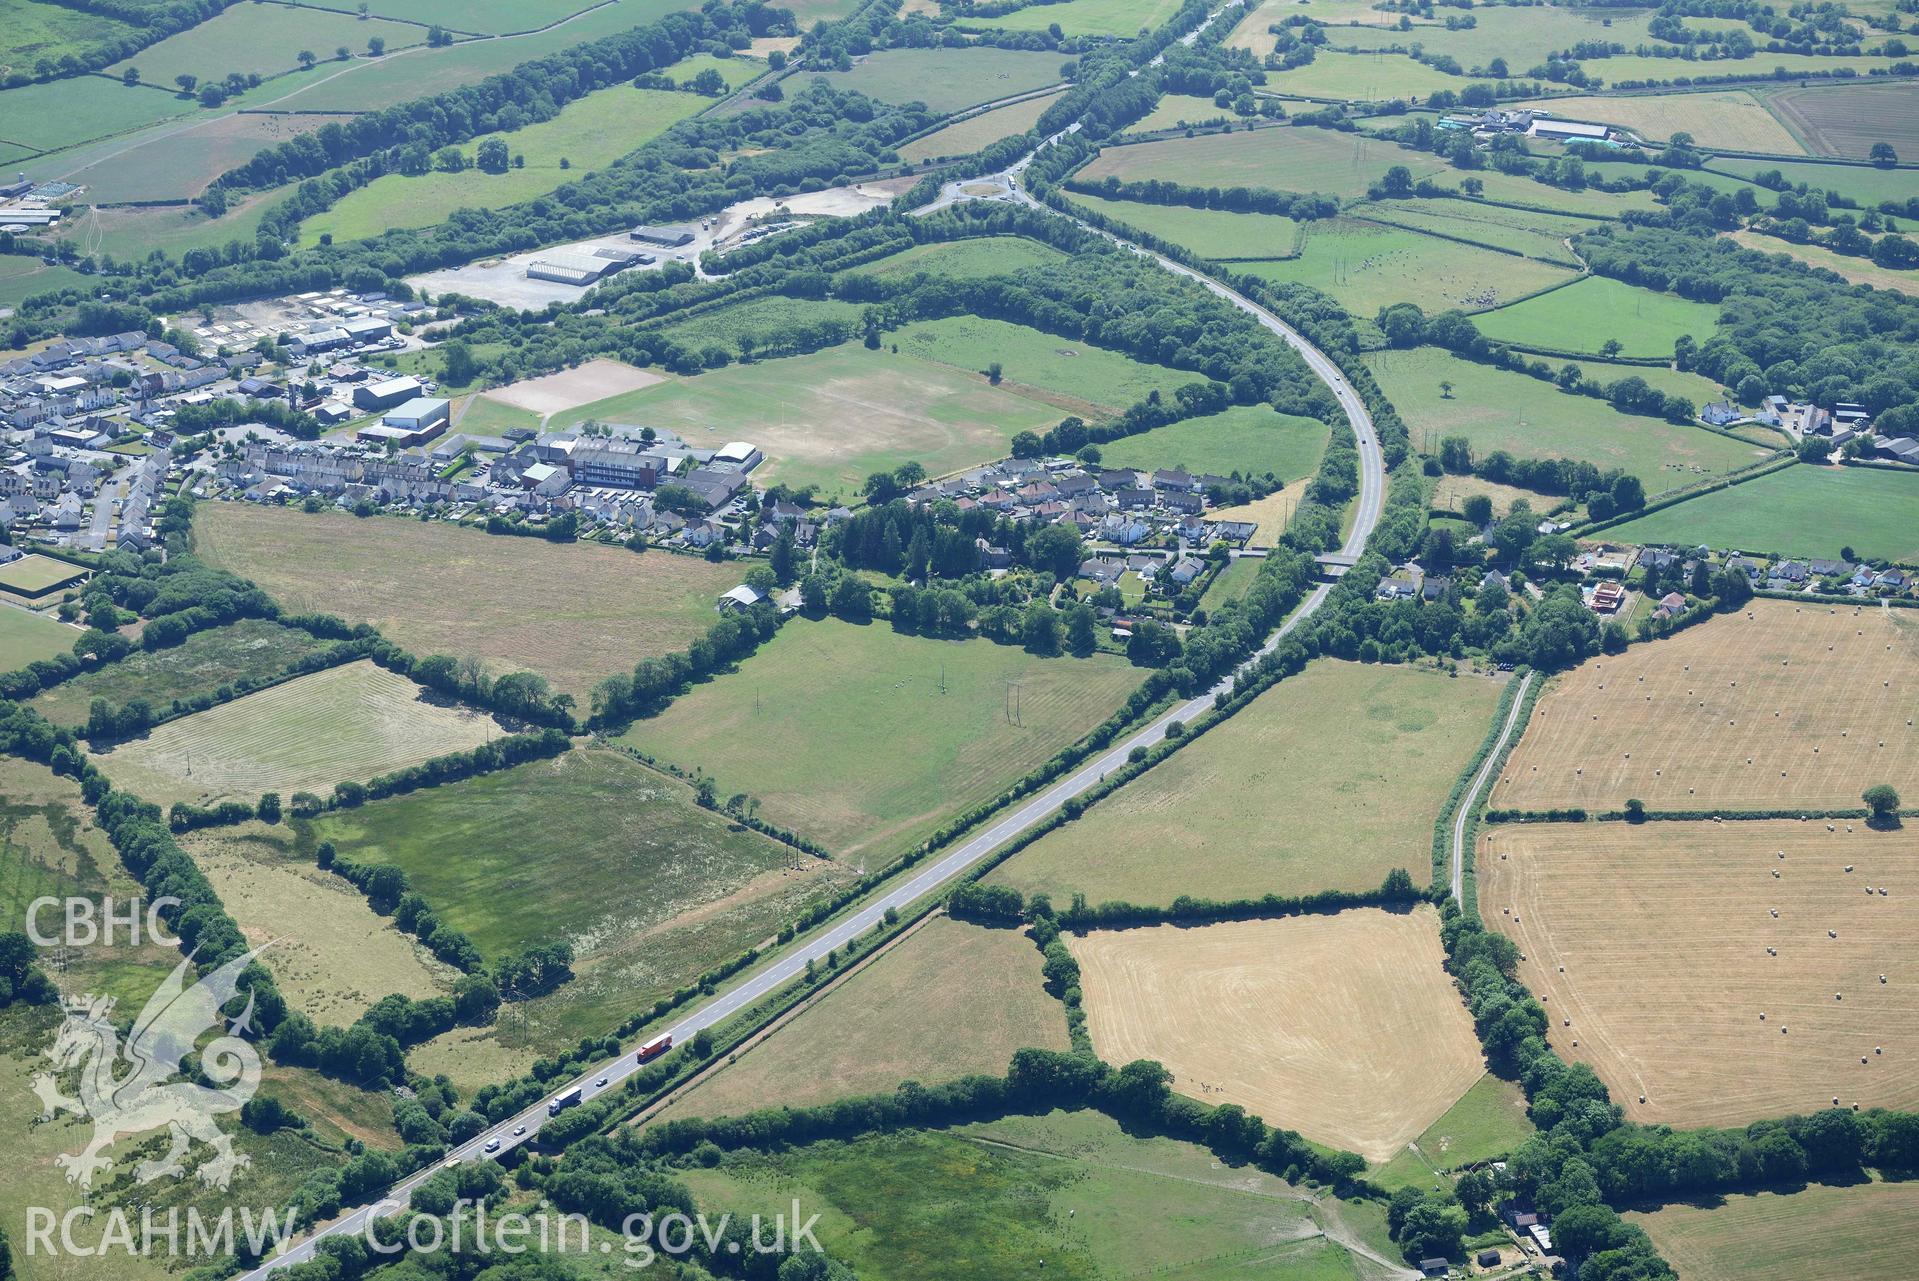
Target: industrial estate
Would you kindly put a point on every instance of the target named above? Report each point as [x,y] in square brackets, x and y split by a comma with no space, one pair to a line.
[950,640]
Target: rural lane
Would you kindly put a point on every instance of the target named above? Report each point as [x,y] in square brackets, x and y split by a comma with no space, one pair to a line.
[1471,798]
[960,859]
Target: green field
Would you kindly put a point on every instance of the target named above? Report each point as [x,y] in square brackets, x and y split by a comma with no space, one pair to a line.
[1123,18]
[177,164]
[1495,409]
[350,722]
[974,259]
[1531,232]
[262,40]
[1801,511]
[64,112]
[1071,1188]
[1862,183]
[1182,110]
[890,751]
[1232,583]
[484,416]
[1861,1233]
[1074,375]
[1253,440]
[1210,233]
[1363,77]
[1365,266]
[421,72]
[899,1019]
[1284,159]
[599,850]
[758,318]
[37,31]
[489,17]
[1336,777]
[1488,1122]
[1584,316]
[949,80]
[1522,36]
[834,417]
[1861,271]
[250,649]
[26,637]
[588,134]
[964,137]
[22,277]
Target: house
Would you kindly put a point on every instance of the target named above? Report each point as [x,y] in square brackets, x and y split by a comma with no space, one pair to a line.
[1671,605]
[1102,569]
[1123,530]
[739,599]
[1175,480]
[1832,568]
[1179,500]
[1746,565]
[991,557]
[1719,413]
[1236,532]
[67,513]
[1403,585]
[1608,596]
[1789,573]
[1435,588]
[1186,569]
[1132,500]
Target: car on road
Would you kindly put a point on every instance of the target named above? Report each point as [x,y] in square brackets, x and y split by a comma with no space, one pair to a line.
[519,1131]
[600,1084]
[492,1145]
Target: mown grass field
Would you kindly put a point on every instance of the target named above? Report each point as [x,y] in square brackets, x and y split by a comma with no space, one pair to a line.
[1488,1122]
[61,113]
[1808,694]
[588,134]
[1659,956]
[21,278]
[1587,314]
[350,722]
[250,649]
[1495,409]
[1860,271]
[598,850]
[262,40]
[332,955]
[575,614]
[1336,777]
[973,259]
[1524,37]
[33,574]
[1071,1188]
[1531,232]
[1181,110]
[1210,233]
[964,137]
[1253,440]
[1730,118]
[1343,1027]
[1366,266]
[1060,371]
[1362,77]
[899,1019]
[1802,511]
[886,754]
[26,637]
[1863,1233]
[183,163]
[759,318]
[834,417]
[948,80]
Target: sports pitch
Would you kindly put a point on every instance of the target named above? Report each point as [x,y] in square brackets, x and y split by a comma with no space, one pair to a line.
[1775,707]
[1345,1027]
[1657,952]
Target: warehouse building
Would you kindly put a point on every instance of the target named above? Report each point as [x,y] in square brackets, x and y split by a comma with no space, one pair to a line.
[665,237]
[385,394]
[564,266]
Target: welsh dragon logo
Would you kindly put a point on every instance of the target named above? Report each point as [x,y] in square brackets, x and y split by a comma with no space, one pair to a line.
[126,1088]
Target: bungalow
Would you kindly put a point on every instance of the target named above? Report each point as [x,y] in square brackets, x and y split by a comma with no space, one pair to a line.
[1746,565]
[1435,588]
[1186,569]
[1790,573]
[1175,480]
[1832,568]
[1102,569]
[1671,605]
[1236,532]
[1403,585]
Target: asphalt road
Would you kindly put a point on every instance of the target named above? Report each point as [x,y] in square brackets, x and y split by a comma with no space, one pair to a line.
[933,876]
[1471,798]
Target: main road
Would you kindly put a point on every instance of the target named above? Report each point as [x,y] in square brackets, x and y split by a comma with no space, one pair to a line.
[516,1130]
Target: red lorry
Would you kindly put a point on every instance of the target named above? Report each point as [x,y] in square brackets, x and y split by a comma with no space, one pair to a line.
[654,1048]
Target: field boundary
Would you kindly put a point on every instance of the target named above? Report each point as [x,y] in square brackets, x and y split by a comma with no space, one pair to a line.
[1442,825]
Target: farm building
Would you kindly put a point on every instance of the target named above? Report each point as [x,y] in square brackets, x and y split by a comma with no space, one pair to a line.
[386,393]
[1568,131]
[666,237]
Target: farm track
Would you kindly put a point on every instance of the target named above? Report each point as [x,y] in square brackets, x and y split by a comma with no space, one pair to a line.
[1471,798]
[961,859]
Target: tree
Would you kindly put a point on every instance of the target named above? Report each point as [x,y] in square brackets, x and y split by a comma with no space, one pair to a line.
[1027,444]
[376,46]
[1445,390]
[492,156]
[1610,348]
[1883,801]
[457,365]
[1478,509]
[1635,810]
[1883,155]
[993,373]
[186,81]
[709,83]
[307,58]
[130,76]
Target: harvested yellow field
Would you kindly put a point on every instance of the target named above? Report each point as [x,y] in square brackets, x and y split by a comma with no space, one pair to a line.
[345,723]
[1345,1028]
[902,1018]
[1730,118]
[329,951]
[1775,707]
[1661,962]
